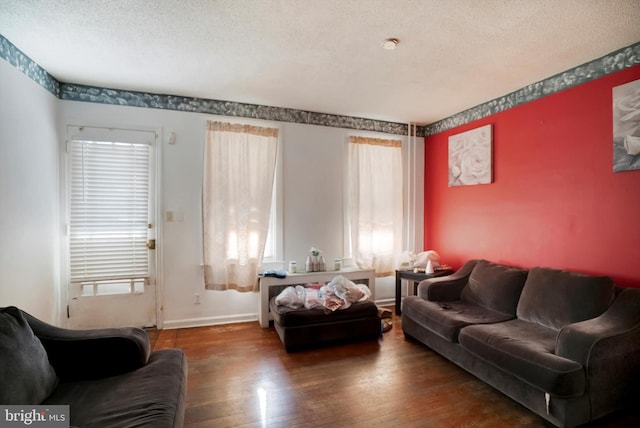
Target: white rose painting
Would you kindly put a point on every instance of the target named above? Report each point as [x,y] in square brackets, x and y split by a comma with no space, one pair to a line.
[470,157]
[626,127]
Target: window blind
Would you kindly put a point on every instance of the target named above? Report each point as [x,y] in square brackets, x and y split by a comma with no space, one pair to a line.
[109,205]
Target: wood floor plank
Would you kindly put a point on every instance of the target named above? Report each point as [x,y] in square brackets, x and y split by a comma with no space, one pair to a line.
[241,376]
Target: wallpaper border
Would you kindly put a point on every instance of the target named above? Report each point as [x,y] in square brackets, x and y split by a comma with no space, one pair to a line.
[74,92]
[607,64]
[14,56]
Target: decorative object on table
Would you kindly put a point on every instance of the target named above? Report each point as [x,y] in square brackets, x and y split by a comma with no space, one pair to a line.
[422,260]
[409,260]
[429,268]
[292,267]
[315,261]
[626,127]
[470,157]
[337,264]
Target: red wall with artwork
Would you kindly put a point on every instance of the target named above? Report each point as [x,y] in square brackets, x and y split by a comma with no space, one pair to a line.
[554,201]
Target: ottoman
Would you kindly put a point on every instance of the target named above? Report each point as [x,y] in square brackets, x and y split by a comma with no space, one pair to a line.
[304,328]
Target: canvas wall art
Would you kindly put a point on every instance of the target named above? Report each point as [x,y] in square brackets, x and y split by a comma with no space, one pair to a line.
[470,157]
[626,127]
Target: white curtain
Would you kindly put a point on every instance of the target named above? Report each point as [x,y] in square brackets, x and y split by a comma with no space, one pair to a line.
[239,171]
[375,202]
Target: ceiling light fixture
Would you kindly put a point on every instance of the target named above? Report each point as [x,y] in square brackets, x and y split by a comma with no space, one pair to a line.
[390,44]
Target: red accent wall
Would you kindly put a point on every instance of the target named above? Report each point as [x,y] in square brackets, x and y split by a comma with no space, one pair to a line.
[554,201]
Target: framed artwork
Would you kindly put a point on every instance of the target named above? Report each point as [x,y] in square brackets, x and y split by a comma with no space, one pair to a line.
[626,127]
[470,157]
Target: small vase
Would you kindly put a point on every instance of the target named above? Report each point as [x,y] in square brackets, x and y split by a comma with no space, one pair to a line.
[309,264]
[321,266]
[429,269]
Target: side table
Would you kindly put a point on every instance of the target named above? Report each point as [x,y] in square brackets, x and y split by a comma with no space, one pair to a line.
[416,277]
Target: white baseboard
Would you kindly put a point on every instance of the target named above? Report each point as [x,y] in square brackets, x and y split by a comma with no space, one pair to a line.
[208,321]
[232,319]
[386,302]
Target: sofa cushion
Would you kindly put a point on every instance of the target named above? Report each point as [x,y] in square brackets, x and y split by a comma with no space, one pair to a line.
[447,318]
[152,396]
[27,377]
[494,286]
[555,298]
[525,351]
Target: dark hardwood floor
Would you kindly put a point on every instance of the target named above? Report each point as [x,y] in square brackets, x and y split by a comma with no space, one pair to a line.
[241,376]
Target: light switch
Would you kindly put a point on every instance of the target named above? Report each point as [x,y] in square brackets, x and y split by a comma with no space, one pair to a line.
[172,138]
[169,215]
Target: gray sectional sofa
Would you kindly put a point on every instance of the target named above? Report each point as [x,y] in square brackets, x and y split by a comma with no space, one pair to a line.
[563,344]
[109,378]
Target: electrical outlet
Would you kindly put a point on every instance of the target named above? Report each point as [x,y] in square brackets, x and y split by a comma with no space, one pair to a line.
[197,298]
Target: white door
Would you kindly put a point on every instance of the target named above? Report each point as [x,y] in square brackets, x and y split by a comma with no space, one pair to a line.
[111,227]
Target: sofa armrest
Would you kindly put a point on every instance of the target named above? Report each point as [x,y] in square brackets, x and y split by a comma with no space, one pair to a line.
[583,340]
[92,354]
[446,288]
[608,347]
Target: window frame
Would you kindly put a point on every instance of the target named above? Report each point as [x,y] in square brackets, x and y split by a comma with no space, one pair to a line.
[276,233]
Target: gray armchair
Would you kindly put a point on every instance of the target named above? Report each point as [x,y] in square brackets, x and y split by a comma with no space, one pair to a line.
[108,377]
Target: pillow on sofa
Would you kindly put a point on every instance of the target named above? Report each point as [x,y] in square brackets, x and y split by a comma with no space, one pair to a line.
[494,286]
[27,377]
[555,298]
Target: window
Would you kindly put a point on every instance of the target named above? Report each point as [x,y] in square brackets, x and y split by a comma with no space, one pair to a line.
[109,220]
[375,202]
[238,188]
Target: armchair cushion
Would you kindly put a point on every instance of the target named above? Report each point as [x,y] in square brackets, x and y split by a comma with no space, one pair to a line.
[151,396]
[27,376]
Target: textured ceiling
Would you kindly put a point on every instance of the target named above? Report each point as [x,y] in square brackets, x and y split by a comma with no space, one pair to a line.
[320,55]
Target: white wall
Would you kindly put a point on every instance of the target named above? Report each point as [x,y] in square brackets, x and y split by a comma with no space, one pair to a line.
[29,210]
[313,203]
